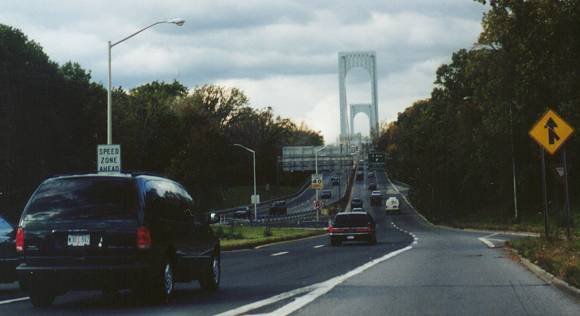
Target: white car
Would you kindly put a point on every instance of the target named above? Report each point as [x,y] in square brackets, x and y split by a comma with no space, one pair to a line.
[392,204]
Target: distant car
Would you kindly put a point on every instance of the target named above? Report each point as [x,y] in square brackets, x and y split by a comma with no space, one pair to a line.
[358,209]
[360,176]
[371,175]
[243,213]
[376,198]
[352,226]
[356,202]
[278,208]
[112,232]
[392,204]
[335,180]
[372,186]
[326,194]
[8,257]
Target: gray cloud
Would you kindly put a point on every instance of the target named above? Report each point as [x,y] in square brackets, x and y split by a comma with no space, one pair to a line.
[264,46]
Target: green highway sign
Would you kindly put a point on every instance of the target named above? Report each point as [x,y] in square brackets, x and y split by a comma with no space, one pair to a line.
[376,159]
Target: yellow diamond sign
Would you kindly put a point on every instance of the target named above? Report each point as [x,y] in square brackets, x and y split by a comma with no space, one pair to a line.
[551,131]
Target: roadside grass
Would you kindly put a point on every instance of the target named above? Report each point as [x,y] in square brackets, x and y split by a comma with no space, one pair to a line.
[494,221]
[528,223]
[499,226]
[558,256]
[236,196]
[239,237]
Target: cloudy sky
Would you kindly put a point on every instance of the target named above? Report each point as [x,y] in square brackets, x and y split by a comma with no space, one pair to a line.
[282,53]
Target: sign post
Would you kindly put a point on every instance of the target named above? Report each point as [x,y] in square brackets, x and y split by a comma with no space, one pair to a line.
[551,132]
[545,193]
[566,195]
[108,158]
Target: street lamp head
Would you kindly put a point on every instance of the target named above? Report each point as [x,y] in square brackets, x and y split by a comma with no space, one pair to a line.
[177,21]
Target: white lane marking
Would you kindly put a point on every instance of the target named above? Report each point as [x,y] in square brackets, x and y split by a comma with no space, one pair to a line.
[279,253]
[318,246]
[486,242]
[313,291]
[14,300]
[327,286]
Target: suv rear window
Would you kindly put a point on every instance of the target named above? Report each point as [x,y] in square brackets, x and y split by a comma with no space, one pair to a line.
[351,220]
[83,198]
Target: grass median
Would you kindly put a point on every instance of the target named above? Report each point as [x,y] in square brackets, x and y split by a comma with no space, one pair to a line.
[240,237]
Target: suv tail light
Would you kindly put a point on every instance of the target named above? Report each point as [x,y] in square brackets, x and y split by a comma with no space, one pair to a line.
[143,238]
[19,239]
[370,227]
[330,229]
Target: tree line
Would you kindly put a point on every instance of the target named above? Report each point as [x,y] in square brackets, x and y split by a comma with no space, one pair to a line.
[52,117]
[455,148]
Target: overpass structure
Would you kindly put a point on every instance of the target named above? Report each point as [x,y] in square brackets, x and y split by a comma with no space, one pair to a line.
[302,158]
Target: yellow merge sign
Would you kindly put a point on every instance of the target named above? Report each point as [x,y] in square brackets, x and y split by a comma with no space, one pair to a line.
[551,131]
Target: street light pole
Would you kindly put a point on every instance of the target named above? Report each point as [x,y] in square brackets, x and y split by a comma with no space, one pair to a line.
[178,22]
[513,166]
[255,193]
[514,182]
[316,170]
[109,102]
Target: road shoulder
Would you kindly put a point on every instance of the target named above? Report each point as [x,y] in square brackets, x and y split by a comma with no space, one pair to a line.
[545,275]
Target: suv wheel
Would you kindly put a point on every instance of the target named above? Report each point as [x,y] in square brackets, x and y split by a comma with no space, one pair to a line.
[210,280]
[161,285]
[373,239]
[334,242]
[41,298]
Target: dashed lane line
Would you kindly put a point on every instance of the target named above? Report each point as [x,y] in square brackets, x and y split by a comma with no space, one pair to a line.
[279,253]
[318,246]
[14,300]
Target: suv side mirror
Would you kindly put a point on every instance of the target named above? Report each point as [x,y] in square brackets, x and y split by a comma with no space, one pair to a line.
[214,218]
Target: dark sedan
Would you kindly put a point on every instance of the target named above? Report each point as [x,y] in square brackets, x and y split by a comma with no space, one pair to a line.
[8,257]
[356,203]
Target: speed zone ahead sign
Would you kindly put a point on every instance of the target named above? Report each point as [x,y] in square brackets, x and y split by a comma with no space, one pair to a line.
[317,183]
[109,158]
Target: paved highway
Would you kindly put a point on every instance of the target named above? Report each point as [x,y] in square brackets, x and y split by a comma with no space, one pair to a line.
[414,269]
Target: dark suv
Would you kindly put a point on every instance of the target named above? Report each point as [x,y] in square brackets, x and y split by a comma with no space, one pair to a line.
[112,232]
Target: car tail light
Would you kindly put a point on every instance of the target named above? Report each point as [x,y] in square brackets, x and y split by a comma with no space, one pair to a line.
[19,239]
[143,238]
[370,227]
[330,229]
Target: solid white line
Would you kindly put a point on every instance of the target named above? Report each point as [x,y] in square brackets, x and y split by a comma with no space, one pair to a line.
[327,286]
[486,242]
[279,253]
[314,291]
[14,300]
[318,246]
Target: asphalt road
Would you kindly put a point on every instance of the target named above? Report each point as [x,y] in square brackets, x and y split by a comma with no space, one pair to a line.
[414,269]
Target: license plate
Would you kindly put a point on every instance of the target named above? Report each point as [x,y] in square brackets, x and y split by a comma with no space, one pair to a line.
[350,237]
[79,240]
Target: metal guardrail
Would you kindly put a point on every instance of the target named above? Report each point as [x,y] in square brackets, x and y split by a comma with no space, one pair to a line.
[266,203]
[306,214]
